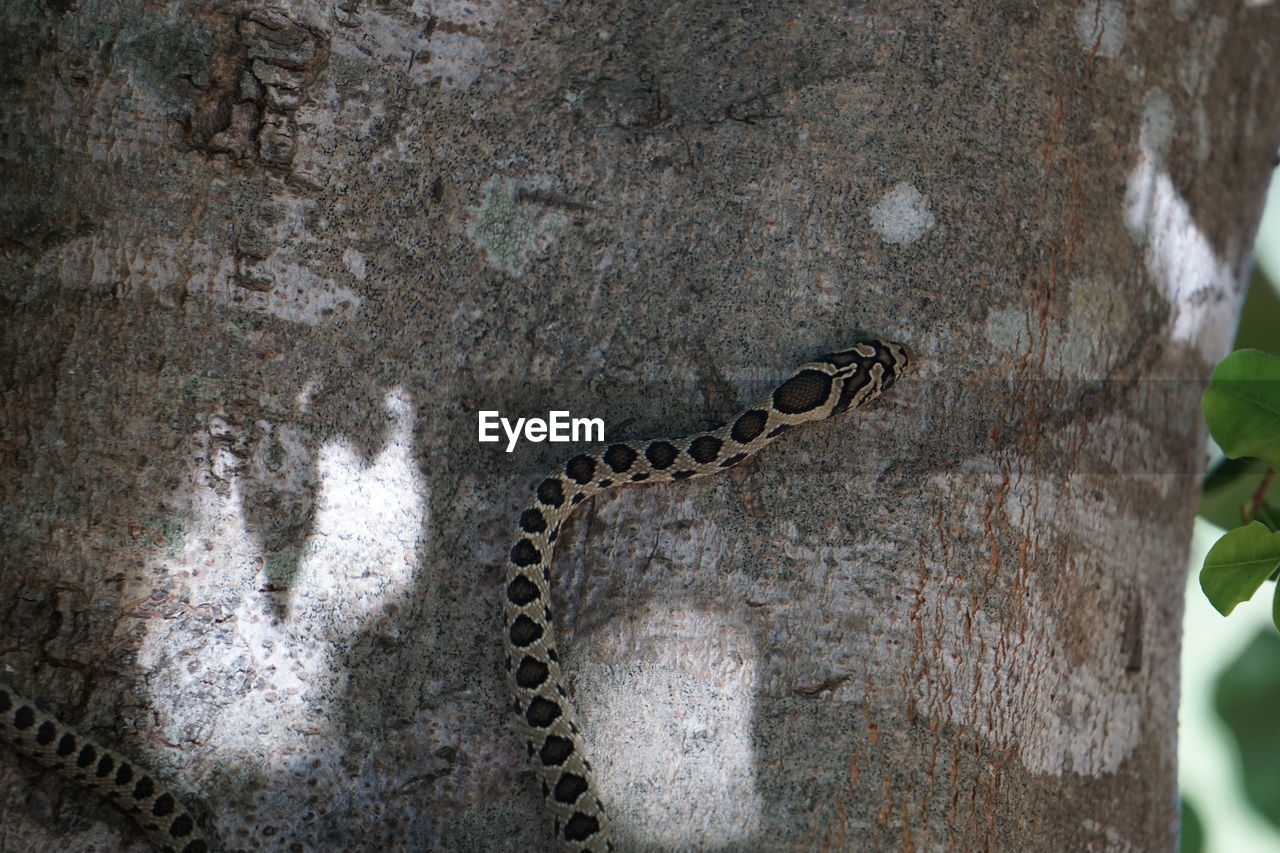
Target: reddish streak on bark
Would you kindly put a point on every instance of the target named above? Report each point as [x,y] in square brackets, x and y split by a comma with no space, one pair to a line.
[842,829]
[1259,495]
[887,798]
[908,846]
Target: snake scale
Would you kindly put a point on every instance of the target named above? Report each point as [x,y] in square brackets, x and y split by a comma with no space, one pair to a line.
[820,389]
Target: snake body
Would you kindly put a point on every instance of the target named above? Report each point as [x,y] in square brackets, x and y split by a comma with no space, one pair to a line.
[131,787]
[828,386]
[819,389]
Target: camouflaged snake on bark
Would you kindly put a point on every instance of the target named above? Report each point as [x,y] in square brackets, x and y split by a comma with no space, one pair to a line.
[820,389]
[817,390]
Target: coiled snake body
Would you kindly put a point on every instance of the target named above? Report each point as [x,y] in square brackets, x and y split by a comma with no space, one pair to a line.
[817,390]
[822,388]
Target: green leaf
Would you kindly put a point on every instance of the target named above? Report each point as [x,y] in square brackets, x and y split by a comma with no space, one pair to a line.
[1242,405]
[1268,515]
[1226,473]
[1230,485]
[1237,564]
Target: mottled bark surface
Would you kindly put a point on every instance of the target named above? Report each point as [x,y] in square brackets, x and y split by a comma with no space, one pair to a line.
[262,267]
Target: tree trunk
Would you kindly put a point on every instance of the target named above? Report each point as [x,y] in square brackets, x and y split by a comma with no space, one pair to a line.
[264,266]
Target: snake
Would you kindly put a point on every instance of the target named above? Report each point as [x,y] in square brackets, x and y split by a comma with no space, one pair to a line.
[133,788]
[817,390]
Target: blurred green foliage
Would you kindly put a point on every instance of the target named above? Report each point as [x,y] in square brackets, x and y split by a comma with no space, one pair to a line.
[1230,483]
[1260,317]
[1247,693]
[1227,487]
[1242,405]
[1246,697]
[1192,840]
[1242,408]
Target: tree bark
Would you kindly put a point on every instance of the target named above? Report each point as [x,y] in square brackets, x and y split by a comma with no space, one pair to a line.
[263,266]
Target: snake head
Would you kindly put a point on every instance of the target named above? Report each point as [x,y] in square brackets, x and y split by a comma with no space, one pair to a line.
[862,372]
[846,379]
[841,380]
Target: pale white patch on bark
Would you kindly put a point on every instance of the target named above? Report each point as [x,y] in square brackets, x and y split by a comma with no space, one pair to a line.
[369,517]
[354,262]
[357,565]
[673,710]
[1070,349]
[1202,289]
[511,228]
[1101,27]
[1109,840]
[902,215]
[298,293]
[437,43]
[1008,684]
